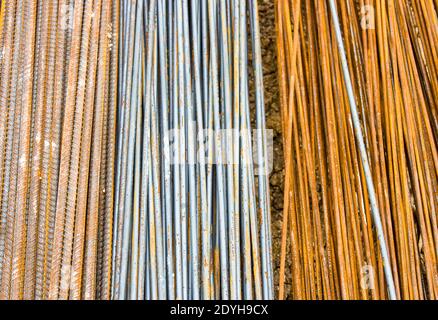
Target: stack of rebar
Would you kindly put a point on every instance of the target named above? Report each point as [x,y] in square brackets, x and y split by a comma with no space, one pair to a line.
[147,138]
[58,100]
[134,153]
[360,141]
[191,216]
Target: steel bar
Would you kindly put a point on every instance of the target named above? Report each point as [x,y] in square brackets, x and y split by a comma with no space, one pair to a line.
[360,155]
[182,238]
[55,92]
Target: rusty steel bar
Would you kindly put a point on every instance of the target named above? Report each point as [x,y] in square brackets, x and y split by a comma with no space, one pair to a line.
[364,156]
[55,92]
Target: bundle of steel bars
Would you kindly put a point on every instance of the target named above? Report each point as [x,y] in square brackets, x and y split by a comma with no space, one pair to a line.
[58,100]
[147,139]
[359,91]
[191,217]
[135,156]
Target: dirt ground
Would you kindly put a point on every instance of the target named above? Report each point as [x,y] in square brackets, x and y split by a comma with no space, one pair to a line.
[273,119]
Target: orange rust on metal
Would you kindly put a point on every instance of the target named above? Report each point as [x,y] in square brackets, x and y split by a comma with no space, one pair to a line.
[333,251]
[56,95]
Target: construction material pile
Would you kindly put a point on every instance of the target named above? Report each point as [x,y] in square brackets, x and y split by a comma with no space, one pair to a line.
[135,157]
[190,220]
[340,188]
[127,167]
[57,136]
